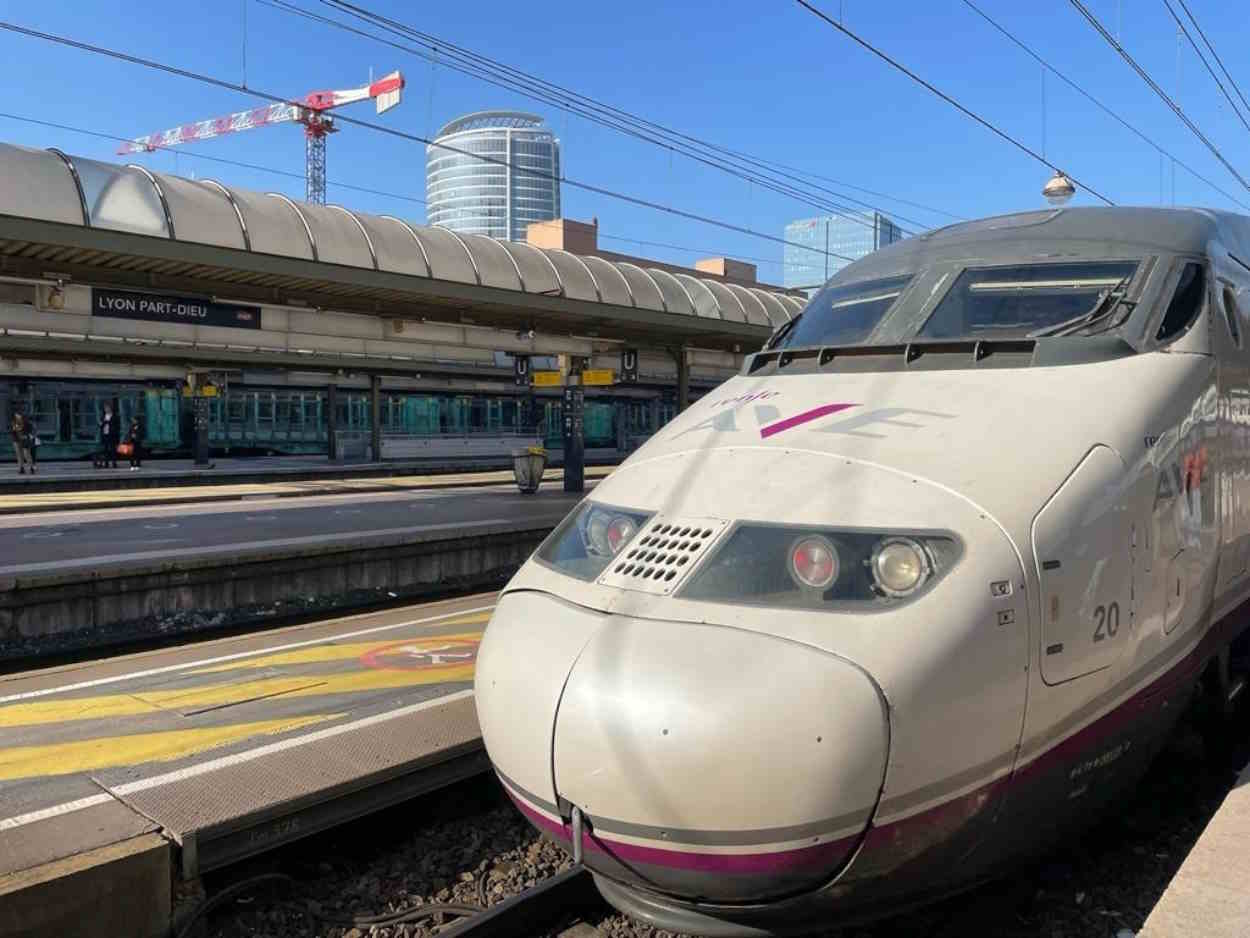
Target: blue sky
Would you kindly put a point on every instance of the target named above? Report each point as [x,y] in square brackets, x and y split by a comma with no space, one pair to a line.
[766,78]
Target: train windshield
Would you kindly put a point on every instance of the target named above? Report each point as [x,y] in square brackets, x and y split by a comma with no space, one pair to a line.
[842,314]
[1012,302]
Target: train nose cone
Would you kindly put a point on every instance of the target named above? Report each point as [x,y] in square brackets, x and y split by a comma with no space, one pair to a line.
[717,764]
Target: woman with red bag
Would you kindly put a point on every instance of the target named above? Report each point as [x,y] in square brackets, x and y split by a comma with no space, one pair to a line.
[134,442]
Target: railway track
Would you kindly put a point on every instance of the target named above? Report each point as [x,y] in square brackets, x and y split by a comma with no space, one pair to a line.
[463,863]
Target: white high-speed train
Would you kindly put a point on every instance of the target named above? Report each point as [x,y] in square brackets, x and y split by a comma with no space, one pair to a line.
[919,591]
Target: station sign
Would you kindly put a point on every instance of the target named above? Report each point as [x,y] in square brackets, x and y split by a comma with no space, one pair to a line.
[598,376]
[629,365]
[521,369]
[547,379]
[161,307]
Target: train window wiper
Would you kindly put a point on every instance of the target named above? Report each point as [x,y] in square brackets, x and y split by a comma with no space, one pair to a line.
[1108,302]
[784,331]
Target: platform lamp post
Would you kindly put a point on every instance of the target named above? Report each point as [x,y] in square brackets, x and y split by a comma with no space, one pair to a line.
[200,390]
[572,416]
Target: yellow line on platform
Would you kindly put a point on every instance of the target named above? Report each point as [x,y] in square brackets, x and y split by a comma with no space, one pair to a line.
[319,653]
[184,700]
[105,752]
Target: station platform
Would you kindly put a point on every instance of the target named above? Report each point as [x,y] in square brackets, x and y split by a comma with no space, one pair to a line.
[85,579]
[1210,894]
[118,487]
[193,757]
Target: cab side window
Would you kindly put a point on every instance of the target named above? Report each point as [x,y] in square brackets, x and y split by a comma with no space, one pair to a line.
[1228,297]
[1186,302]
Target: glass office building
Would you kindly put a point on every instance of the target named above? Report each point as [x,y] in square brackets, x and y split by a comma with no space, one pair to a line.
[826,237]
[489,196]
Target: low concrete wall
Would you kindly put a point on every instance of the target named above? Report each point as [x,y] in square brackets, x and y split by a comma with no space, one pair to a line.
[57,612]
[121,889]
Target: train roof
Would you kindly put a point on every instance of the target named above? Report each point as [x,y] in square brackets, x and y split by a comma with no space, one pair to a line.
[1172,230]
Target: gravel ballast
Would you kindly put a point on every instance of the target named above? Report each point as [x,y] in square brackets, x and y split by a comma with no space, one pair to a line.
[467,846]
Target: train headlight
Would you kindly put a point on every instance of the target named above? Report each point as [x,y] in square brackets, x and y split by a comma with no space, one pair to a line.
[620,531]
[814,562]
[900,566]
[588,539]
[821,568]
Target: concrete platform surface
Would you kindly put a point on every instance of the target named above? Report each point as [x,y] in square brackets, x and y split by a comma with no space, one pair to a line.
[231,746]
[107,538]
[28,499]
[1209,897]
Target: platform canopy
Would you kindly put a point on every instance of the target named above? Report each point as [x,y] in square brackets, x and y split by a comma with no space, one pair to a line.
[126,226]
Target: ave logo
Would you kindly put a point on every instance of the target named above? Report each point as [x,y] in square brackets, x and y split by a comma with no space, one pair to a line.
[769,420]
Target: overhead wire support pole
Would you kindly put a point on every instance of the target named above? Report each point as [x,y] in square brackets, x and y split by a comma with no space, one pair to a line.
[997,131]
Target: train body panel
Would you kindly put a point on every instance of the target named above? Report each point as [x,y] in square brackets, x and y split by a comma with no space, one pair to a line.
[1016,500]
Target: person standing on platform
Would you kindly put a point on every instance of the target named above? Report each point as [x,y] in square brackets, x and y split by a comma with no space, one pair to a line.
[110,434]
[21,442]
[134,438]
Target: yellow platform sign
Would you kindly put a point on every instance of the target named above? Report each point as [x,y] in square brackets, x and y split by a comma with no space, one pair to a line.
[598,376]
[548,379]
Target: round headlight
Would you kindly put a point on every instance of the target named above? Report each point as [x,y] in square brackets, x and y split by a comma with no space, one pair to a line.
[597,533]
[619,533]
[813,563]
[900,566]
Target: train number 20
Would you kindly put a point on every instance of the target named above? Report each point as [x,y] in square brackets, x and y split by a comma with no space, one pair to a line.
[1108,618]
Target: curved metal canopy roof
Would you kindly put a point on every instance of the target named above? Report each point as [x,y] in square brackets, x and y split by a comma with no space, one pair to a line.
[50,186]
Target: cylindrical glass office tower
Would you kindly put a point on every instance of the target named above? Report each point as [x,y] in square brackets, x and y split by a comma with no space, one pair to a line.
[515,185]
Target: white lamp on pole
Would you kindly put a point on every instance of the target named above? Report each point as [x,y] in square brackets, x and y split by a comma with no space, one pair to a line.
[1058,189]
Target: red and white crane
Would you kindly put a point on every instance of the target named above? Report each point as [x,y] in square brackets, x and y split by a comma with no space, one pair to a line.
[312,112]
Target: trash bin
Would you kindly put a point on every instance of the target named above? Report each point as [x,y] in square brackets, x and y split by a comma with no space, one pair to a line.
[527,467]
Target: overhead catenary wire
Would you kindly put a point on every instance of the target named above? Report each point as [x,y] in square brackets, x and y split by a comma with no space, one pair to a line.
[1102,106]
[69,128]
[783,180]
[415,138]
[1207,65]
[968,112]
[1232,81]
[192,154]
[562,96]
[1154,86]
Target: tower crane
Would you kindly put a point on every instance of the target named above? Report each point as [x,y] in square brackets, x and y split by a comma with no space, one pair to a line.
[312,112]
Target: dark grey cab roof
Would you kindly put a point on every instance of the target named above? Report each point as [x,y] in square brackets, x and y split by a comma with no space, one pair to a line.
[1079,230]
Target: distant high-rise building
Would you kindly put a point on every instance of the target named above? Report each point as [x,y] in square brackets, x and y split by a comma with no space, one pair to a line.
[824,238]
[500,196]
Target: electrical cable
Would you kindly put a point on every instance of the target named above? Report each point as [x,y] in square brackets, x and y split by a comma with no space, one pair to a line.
[563,97]
[1207,65]
[1100,105]
[1232,81]
[392,195]
[191,154]
[1154,86]
[415,138]
[784,180]
[229,893]
[1025,148]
